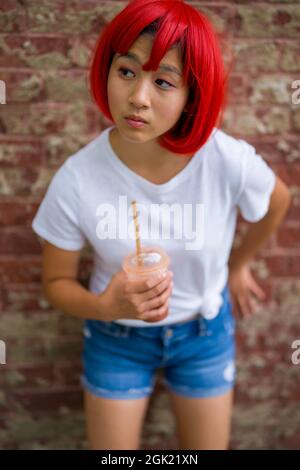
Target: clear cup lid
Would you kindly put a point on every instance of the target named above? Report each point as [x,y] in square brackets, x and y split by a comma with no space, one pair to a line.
[151,259]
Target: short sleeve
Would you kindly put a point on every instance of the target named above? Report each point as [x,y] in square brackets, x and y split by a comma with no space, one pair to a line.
[257,184]
[57,219]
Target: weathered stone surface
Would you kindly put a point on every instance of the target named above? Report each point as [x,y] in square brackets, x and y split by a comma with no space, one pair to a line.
[81,51]
[40,119]
[49,325]
[20,153]
[23,86]
[43,350]
[271,89]
[248,121]
[267,21]
[12,16]
[296,118]
[290,59]
[59,148]
[17,181]
[35,119]
[35,52]
[258,56]
[48,432]
[62,86]
[61,17]
[220,16]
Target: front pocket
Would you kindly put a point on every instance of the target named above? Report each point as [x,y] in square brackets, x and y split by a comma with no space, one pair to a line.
[110,328]
[224,322]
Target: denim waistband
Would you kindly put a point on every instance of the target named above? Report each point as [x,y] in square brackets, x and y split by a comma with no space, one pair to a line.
[199,325]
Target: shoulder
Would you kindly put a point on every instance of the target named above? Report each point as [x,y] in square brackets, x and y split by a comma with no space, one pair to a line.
[84,162]
[75,170]
[227,147]
[226,154]
[87,156]
[229,159]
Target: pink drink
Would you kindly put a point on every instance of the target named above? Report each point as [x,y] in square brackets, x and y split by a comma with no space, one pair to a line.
[154,262]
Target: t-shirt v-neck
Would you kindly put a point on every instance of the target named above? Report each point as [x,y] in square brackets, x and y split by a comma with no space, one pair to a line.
[122,168]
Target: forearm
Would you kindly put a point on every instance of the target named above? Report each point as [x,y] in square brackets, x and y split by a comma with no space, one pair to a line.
[72,298]
[255,237]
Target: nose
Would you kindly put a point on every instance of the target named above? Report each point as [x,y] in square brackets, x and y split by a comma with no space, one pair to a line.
[140,94]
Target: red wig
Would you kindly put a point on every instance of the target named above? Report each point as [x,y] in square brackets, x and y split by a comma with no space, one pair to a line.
[172,22]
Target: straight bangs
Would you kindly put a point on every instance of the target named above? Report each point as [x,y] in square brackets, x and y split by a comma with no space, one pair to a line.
[172,23]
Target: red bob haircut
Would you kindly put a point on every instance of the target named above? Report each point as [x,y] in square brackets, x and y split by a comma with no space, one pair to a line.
[171,23]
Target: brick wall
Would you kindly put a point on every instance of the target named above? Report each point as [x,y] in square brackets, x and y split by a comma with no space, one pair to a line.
[44,51]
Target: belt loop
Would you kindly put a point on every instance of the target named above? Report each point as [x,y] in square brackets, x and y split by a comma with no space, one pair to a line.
[201,326]
[226,293]
[124,330]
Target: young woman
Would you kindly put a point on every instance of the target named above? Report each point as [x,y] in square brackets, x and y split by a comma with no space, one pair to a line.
[159,78]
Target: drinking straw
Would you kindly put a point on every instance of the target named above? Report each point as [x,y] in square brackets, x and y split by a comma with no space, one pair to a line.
[137,234]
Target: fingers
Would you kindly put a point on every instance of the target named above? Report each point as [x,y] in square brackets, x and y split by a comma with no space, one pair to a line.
[156,314]
[146,285]
[159,300]
[257,290]
[245,306]
[157,290]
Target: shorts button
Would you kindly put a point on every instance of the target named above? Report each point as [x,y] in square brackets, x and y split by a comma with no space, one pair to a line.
[169,333]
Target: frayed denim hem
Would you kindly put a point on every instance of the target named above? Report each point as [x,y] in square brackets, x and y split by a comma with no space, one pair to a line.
[130,394]
[198,392]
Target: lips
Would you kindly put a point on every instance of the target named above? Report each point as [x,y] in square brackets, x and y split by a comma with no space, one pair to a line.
[133,117]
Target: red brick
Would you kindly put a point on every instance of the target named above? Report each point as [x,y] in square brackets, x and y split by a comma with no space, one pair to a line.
[18,242]
[31,376]
[17,212]
[278,265]
[21,50]
[20,182]
[293,212]
[275,149]
[68,374]
[290,173]
[20,270]
[22,153]
[49,400]
[33,119]
[12,16]
[23,86]
[288,236]
[294,265]
[22,297]
[237,89]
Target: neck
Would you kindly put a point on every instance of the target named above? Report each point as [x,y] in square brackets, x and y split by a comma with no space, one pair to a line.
[147,155]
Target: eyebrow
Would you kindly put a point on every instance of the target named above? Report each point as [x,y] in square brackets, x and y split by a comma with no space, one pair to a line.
[135,58]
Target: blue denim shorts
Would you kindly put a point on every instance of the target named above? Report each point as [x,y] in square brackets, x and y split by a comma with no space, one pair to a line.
[197,357]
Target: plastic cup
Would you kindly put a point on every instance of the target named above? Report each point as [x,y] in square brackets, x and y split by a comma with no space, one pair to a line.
[155,262]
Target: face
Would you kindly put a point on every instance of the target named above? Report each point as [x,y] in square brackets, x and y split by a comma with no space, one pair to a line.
[158,97]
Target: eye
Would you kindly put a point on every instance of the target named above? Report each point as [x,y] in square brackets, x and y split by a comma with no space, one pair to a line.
[169,84]
[124,70]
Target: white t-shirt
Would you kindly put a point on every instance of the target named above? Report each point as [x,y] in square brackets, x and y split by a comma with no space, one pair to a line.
[192,216]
